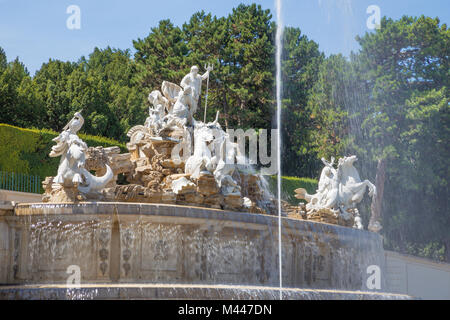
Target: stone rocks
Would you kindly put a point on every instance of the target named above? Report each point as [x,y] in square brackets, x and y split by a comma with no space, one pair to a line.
[168,197]
[194,198]
[233,202]
[295,212]
[324,216]
[157,178]
[251,186]
[214,201]
[183,186]
[207,185]
[140,194]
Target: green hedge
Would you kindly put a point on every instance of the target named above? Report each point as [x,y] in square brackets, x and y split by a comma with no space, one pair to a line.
[27,150]
[289,184]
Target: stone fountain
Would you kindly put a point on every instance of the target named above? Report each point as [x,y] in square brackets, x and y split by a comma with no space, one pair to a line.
[189,222]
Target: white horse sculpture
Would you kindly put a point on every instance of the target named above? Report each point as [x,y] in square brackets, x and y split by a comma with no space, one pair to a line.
[351,187]
[71,171]
[340,189]
[226,166]
[201,160]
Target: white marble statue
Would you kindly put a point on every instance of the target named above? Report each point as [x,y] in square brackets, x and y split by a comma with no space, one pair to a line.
[340,190]
[212,151]
[170,110]
[351,187]
[72,150]
[181,114]
[156,114]
[226,160]
[201,160]
[194,81]
[215,154]
[170,91]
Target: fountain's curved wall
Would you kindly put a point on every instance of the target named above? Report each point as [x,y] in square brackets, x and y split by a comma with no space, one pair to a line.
[137,243]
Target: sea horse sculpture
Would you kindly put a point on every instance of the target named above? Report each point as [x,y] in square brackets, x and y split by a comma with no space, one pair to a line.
[72,150]
[340,190]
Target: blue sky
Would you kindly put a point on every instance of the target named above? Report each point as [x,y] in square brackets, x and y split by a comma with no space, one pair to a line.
[35,30]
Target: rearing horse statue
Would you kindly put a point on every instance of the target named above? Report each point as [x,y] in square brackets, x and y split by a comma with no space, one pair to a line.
[339,190]
[351,187]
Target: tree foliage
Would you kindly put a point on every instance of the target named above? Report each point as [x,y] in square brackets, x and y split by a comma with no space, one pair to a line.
[389,104]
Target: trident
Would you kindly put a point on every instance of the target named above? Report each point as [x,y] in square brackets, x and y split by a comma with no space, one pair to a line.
[209,67]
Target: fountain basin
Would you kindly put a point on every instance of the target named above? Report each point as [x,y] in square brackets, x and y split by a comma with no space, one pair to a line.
[185,292]
[144,245]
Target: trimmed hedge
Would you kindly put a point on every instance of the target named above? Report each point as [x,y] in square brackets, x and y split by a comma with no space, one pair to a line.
[289,184]
[27,150]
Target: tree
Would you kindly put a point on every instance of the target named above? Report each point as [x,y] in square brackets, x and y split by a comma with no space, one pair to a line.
[301,60]
[404,58]
[100,85]
[160,56]
[388,104]
[3,60]
[417,196]
[51,82]
[18,101]
[125,104]
[248,67]
[328,106]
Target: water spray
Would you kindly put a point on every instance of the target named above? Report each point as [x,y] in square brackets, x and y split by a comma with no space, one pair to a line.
[279,49]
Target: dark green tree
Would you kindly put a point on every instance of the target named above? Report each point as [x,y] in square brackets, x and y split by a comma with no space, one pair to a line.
[248,67]
[3,60]
[100,85]
[161,56]
[389,105]
[19,103]
[301,62]
[51,83]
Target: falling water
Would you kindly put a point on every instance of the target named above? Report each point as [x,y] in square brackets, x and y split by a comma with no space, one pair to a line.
[279,48]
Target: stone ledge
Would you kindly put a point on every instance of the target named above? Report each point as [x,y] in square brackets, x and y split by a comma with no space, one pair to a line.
[6,208]
[185,212]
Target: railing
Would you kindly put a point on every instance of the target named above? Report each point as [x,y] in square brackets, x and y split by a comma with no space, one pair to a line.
[20,182]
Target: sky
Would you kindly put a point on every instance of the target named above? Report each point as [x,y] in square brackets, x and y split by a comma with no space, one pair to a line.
[36,30]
